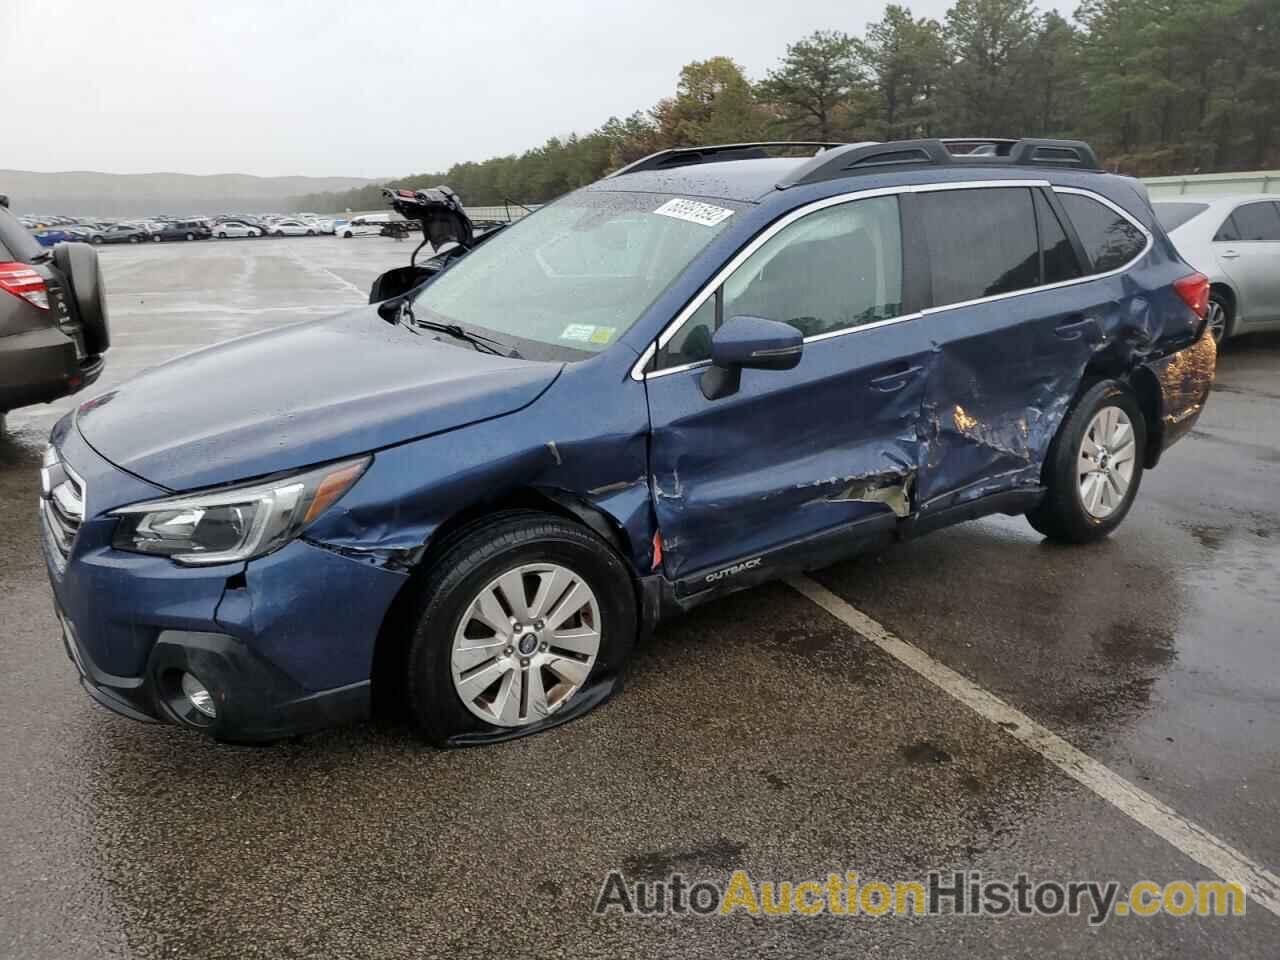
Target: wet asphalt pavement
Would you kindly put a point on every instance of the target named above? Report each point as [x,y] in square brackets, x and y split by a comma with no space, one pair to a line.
[759,732]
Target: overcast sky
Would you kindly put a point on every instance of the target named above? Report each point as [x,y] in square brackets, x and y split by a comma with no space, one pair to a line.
[372,88]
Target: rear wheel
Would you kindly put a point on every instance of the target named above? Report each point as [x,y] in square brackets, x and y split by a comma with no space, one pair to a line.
[191,236]
[520,616]
[155,238]
[1094,466]
[1220,316]
[133,239]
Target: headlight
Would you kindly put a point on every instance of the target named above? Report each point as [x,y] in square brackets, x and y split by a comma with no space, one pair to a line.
[234,523]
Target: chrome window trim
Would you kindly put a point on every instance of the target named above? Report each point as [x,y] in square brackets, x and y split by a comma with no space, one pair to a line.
[637,370]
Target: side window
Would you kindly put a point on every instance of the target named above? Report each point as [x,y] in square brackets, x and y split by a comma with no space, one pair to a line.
[692,341]
[982,242]
[1228,232]
[1109,239]
[1257,221]
[837,268]
[1060,262]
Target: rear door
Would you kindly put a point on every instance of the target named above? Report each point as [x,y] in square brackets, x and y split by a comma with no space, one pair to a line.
[803,459]
[1247,246]
[1012,335]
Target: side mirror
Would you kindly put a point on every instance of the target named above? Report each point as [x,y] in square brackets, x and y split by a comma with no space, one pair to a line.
[753,343]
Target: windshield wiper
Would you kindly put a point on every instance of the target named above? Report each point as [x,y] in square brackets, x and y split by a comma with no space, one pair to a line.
[400,310]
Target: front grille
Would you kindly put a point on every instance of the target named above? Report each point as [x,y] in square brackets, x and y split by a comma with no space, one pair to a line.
[61,503]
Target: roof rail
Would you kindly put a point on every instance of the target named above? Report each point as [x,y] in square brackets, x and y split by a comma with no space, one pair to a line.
[685,156]
[858,158]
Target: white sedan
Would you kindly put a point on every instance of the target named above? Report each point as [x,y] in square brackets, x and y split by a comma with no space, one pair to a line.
[233,228]
[292,228]
[370,226]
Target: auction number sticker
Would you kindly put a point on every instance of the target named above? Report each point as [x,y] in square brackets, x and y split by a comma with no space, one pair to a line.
[695,211]
[588,333]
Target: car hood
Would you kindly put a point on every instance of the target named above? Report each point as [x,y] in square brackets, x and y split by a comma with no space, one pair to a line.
[302,394]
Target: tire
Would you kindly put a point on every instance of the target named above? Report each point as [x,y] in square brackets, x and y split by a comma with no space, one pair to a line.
[311,233]
[347,234]
[1221,317]
[190,236]
[279,233]
[222,236]
[470,565]
[133,239]
[155,238]
[1080,508]
[96,241]
[78,264]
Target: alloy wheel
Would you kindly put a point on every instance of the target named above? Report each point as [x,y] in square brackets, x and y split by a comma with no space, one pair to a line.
[1105,462]
[1217,321]
[526,644]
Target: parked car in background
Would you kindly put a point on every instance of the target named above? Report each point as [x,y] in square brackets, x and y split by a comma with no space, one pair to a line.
[53,318]
[635,401]
[370,226]
[292,228]
[182,230]
[85,233]
[1235,241]
[234,228]
[50,236]
[125,233]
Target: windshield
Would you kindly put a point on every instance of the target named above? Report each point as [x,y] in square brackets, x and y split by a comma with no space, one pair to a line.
[570,279]
[1174,215]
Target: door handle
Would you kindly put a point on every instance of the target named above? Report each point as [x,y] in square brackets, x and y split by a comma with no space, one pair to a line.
[895,378]
[1074,328]
[1229,255]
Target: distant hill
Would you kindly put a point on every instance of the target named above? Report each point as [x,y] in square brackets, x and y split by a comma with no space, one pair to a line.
[85,193]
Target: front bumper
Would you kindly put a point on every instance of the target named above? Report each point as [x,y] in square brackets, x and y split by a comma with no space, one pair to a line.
[253,699]
[284,643]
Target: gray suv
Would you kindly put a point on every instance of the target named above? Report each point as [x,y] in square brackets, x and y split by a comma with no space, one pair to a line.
[53,317]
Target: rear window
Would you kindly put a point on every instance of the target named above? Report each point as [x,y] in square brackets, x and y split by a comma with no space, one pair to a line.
[16,241]
[1110,240]
[982,242]
[1174,215]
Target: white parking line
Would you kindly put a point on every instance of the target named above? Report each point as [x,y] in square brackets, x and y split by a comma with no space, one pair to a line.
[1192,839]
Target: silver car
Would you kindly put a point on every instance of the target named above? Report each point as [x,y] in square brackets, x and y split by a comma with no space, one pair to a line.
[1235,241]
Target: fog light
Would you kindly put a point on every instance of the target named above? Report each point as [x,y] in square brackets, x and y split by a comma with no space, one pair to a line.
[200,698]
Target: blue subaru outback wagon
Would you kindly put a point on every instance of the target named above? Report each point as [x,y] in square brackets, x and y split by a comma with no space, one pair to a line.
[712,367]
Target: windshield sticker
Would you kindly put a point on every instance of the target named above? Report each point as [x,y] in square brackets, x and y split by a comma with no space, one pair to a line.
[579,331]
[706,214]
[603,334]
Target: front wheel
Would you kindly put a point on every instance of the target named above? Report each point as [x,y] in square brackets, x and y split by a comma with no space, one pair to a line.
[155,238]
[520,617]
[1094,466]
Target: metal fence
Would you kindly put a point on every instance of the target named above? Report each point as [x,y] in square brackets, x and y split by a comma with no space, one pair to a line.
[1214,184]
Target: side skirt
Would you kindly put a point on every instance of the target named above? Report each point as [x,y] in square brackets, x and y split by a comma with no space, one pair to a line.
[661,598]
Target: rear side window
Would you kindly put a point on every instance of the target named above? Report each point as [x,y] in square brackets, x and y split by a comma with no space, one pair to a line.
[982,242]
[1110,240]
[1257,221]
[1060,261]
[1174,215]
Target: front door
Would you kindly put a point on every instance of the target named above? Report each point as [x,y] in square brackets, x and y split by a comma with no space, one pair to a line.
[794,455]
